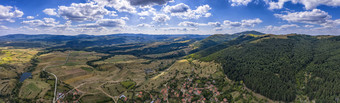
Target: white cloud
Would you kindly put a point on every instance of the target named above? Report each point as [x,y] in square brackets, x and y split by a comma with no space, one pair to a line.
[124,18]
[179,8]
[161,18]
[309,4]
[243,23]
[105,23]
[282,27]
[218,29]
[30,17]
[194,24]
[215,24]
[183,11]
[50,11]
[50,21]
[148,2]
[111,22]
[143,25]
[119,5]
[251,22]
[232,24]
[309,26]
[189,24]
[147,11]
[142,18]
[47,22]
[239,2]
[8,14]
[207,15]
[2,27]
[316,16]
[179,29]
[83,12]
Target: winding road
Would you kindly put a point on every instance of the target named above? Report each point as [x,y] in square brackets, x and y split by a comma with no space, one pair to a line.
[56,78]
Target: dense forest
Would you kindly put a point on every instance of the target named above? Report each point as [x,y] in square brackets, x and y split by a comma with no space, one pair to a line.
[282,67]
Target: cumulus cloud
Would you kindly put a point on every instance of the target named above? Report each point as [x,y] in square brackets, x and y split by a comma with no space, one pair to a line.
[147,11]
[282,27]
[30,17]
[8,14]
[309,26]
[148,2]
[194,24]
[124,18]
[218,29]
[179,29]
[119,5]
[189,24]
[161,18]
[232,24]
[243,23]
[46,22]
[183,11]
[251,22]
[143,25]
[239,2]
[111,22]
[215,24]
[142,18]
[316,16]
[83,12]
[105,23]
[50,11]
[309,4]
[179,8]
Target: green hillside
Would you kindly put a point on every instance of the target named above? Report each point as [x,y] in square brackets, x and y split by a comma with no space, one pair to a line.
[213,43]
[282,67]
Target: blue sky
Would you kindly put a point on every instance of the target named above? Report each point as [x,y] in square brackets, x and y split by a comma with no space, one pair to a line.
[100,17]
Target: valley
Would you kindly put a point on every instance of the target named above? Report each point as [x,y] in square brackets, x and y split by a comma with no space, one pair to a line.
[246,67]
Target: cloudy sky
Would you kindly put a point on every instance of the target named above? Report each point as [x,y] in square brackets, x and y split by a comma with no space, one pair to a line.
[100,17]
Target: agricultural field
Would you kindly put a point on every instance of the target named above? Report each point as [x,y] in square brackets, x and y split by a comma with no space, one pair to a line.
[10,55]
[113,76]
[33,89]
[7,86]
[13,62]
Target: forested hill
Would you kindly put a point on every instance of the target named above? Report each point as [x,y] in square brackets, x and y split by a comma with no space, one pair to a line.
[282,67]
[220,38]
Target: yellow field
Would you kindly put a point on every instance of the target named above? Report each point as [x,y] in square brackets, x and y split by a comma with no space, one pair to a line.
[14,56]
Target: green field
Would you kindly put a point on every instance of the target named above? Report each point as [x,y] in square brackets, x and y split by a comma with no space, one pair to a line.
[32,88]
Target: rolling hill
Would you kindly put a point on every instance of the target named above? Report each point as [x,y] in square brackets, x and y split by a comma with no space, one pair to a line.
[282,67]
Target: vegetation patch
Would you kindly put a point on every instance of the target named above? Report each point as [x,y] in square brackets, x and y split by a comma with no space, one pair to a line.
[31,88]
[128,84]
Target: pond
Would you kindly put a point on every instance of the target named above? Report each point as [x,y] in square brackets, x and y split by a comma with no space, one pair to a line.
[25,76]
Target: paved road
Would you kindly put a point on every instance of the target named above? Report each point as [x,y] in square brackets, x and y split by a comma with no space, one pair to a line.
[55,84]
[56,78]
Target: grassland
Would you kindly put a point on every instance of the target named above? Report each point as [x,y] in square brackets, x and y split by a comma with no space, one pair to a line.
[33,89]
[16,56]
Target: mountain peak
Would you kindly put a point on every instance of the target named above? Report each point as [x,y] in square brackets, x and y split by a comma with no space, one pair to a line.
[249,32]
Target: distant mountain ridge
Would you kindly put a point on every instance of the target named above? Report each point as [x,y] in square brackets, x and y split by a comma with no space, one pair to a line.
[220,38]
